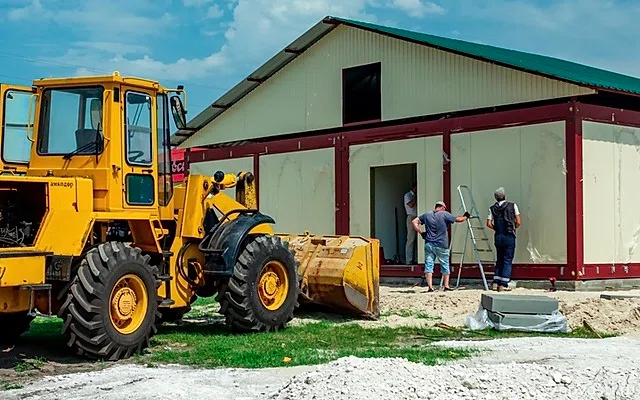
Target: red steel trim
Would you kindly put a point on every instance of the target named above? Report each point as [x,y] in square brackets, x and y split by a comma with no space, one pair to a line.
[609,115]
[524,116]
[341,184]
[610,271]
[520,271]
[446,172]
[273,147]
[574,203]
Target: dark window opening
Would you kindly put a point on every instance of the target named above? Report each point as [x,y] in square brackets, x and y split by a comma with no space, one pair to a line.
[361,99]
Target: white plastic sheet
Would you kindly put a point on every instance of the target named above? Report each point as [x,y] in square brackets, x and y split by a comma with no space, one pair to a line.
[553,323]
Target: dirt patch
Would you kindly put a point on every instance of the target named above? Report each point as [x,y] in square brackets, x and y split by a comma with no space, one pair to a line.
[414,306]
[613,316]
[526,368]
[26,362]
[400,306]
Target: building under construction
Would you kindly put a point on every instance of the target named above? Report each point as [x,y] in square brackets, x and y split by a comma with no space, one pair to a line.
[338,124]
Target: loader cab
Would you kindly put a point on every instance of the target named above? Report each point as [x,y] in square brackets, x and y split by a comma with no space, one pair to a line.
[16,102]
[112,129]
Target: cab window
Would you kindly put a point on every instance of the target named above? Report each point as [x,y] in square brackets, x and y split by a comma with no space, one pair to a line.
[16,148]
[66,125]
[165,177]
[138,129]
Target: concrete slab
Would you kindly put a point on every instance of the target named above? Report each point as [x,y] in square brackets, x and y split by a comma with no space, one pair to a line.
[518,321]
[611,296]
[519,304]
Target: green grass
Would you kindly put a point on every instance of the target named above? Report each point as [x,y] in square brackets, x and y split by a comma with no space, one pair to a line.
[213,345]
[311,343]
[11,386]
[408,313]
[29,364]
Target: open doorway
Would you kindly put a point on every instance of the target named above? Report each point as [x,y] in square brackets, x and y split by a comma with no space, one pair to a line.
[388,215]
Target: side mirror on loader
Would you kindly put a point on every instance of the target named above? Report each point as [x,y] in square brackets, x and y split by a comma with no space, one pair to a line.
[179,115]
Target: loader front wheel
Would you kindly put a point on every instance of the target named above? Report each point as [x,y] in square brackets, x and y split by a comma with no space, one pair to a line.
[111,308]
[262,293]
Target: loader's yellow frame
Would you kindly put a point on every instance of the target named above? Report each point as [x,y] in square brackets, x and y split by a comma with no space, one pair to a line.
[100,159]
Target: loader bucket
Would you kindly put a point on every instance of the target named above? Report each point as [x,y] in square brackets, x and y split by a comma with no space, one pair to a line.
[339,272]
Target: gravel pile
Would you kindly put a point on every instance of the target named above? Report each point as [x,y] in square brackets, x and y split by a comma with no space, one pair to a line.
[393,378]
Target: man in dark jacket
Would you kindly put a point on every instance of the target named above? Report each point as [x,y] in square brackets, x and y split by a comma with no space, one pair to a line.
[504,219]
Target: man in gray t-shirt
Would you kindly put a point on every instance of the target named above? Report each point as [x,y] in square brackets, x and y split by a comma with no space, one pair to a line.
[436,240]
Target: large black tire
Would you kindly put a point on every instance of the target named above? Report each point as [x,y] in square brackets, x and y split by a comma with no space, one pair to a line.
[13,325]
[239,299]
[86,311]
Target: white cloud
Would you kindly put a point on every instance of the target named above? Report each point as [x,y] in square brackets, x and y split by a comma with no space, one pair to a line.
[20,13]
[215,12]
[418,8]
[99,19]
[195,3]
[256,31]
[91,62]
[113,47]
[260,28]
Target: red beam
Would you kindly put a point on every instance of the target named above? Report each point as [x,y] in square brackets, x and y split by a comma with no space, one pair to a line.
[610,271]
[574,203]
[525,116]
[520,271]
[342,187]
[502,119]
[446,173]
[274,147]
[609,115]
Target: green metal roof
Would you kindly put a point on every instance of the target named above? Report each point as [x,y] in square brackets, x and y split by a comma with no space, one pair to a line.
[538,64]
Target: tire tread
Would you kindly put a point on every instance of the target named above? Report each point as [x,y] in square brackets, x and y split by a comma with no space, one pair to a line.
[83,324]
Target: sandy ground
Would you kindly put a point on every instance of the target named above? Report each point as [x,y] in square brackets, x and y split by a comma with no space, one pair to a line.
[530,368]
[399,306]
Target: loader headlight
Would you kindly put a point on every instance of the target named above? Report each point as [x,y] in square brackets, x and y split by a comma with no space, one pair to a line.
[218,176]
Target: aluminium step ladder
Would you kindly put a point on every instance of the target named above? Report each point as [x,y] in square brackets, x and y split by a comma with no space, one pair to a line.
[477,232]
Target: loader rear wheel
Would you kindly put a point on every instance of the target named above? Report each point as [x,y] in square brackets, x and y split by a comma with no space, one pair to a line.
[111,308]
[262,293]
[13,326]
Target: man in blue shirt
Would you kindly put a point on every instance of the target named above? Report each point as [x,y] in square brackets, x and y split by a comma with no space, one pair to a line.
[436,240]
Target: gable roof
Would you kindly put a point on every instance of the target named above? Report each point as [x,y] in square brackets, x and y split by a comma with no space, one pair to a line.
[550,67]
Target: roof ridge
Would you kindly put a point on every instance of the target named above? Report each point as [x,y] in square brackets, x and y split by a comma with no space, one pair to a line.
[540,64]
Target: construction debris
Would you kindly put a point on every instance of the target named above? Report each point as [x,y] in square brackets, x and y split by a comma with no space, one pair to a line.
[518,313]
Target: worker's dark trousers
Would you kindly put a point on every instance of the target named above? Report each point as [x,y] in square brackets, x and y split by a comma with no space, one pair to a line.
[505,249]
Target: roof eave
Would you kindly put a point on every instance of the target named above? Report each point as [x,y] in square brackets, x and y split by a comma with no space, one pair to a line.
[256,78]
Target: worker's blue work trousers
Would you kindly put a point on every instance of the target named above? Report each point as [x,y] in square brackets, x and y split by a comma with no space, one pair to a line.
[505,250]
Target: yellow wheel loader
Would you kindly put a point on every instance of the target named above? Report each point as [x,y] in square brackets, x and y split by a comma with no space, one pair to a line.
[96,233]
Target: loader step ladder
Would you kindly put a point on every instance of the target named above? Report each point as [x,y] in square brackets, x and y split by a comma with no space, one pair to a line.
[45,287]
[166,278]
[477,232]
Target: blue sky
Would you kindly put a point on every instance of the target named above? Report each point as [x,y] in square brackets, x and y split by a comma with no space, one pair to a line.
[209,45]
